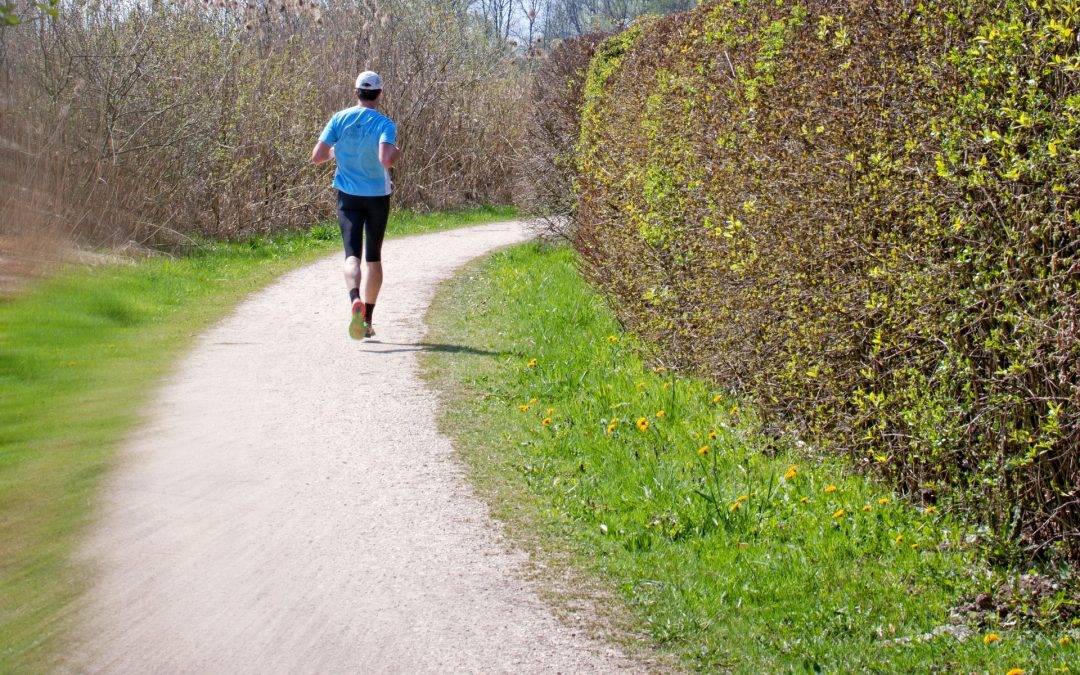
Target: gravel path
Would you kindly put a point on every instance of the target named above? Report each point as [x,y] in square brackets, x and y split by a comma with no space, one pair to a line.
[291,508]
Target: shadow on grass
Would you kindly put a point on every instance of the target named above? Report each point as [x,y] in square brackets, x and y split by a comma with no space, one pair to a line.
[432,347]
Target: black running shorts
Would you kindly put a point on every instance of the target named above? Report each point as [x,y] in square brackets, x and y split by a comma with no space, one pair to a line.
[358,216]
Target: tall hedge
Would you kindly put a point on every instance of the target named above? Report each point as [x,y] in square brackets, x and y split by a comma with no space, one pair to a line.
[862,213]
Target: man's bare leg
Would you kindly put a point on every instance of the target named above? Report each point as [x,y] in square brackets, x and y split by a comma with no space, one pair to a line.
[352,272]
[373,284]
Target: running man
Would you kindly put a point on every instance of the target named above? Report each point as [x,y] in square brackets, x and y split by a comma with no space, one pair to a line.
[363,141]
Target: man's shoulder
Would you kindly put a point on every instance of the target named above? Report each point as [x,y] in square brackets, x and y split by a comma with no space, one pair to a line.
[383,118]
[348,112]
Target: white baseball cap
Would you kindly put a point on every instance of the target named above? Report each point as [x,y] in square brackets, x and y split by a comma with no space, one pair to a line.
[368,80]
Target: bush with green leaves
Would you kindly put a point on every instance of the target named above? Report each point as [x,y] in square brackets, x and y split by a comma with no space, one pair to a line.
[863,215]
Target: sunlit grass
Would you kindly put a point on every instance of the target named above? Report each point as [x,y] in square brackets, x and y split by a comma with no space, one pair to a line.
[731,552]
[79,354]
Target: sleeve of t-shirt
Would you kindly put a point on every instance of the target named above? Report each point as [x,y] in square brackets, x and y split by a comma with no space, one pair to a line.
[389,133]
[330,133]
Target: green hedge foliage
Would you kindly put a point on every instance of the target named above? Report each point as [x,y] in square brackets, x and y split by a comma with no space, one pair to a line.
[864,215]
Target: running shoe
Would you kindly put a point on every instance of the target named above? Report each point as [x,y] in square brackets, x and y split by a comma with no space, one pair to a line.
[369,330]
[357,326]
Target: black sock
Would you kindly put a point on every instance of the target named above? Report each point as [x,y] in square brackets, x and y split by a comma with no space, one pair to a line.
[369,311]
[354,294]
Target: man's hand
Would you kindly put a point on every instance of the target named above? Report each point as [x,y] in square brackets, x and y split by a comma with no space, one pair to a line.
[321,153]
[388,154]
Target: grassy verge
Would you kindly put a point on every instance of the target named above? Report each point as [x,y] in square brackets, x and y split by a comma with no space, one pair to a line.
[78,355]
[731,556]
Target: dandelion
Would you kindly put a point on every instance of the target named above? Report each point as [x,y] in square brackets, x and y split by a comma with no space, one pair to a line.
[703,450]
[523,408]
[791,472]
[1065,640]
[532,401]
[611,428]
[735,506]
[742,498]
[991,638]
[830,489]
[1015,671]
[883,501]
[899,538]
[546,421]
[868,508]
[640,385]
[712,435]
[734,410]
[531,364]
[667,385]
[659,370]
[660,413]
[550,411]
[717,398]
[804,500]
[914,546]
[642,424]
[838,514]
[612,339]
[930,509]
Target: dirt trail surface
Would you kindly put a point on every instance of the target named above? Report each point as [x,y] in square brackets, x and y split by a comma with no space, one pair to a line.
[290,507]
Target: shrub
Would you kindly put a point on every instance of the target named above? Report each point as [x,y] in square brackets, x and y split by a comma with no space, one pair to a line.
[863,214]
[545,185]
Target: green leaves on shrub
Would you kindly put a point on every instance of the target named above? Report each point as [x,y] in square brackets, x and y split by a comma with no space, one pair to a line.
[863,214]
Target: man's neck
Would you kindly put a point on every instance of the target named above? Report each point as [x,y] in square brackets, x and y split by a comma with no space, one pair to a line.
[367,104]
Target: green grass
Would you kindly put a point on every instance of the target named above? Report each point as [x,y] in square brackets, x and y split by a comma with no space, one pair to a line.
[544,399]
[79,354]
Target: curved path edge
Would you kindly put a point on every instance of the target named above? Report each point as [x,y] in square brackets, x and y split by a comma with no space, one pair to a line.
[290,506]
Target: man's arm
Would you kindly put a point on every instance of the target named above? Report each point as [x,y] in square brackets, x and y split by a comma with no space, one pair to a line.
[321,153]
[388,154]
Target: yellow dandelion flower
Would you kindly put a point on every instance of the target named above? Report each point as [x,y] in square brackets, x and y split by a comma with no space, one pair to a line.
[532,401]
[735,506]
[667,385]
[883,501]
[660,413]
[991,638]
[915,545]
[742,498]
[703,450]
[659,369]
[830,488]
[792,470]
[523,408]
[550,411]
[1065,640]
[640,385]
[531,364]
[839,514]
[712,435]
[546,421]
[611,428]
[804,500]
[753,494]
[717,398]
[612,339]
[1015,671]
[642,424]
[930,509]
[868,508]
[734,410]
[899,538]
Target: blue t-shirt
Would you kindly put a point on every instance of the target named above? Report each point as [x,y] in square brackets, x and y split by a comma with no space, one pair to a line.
[355,134]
